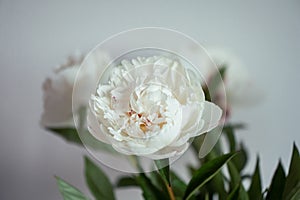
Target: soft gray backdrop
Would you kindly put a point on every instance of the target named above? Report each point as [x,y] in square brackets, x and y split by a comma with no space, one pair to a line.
[35,36]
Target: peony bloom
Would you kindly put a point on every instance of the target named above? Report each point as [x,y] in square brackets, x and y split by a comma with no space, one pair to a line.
[240,87]
[59,87]
[150,107]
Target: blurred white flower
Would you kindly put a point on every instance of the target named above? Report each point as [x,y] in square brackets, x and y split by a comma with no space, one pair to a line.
[59,86]
[240,88]
[150,107]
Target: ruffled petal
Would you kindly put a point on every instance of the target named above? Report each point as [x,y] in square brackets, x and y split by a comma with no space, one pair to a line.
[191,123]
[211,116]
[168,152]
[95,128]
[146,146]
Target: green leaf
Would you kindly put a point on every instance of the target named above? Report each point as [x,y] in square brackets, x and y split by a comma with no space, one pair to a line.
[235,193]
[292,186]
[230,137]
[235,177]
[255,190]
[192,170]
[97,181]
[159,183]
[71,135]
[240,160]
[68,133]
[178,185]
[296,194]
[163,169]
[277,184]
[126,182]
[243,194]
[234,126]
[238,193]
[206,172]
[150,192]
[68,191]
[216,184]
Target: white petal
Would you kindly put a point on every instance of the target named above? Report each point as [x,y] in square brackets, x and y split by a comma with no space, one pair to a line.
[209,142]
[57,102]
[203,120]
[191,122]
[192,116]
[146,146]
[95,128]
[168,152]
[211,116]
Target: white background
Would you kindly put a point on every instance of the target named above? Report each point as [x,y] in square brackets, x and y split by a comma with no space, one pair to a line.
[35,36]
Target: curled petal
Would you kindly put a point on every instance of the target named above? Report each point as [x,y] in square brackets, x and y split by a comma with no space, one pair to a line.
[211,116]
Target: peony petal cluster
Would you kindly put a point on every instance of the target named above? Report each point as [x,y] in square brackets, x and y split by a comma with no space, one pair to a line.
[151,107]
[58,88]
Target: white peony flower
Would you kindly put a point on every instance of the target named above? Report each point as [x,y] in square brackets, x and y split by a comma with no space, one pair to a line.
[240,87]
[59,87]
[150,107]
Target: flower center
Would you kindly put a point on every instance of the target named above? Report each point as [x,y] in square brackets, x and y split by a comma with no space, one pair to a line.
[149,112]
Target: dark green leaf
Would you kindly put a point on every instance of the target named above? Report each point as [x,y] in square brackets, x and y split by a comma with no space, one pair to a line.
[127,182]
[163,169]
[243,194]
[292,186]
[235,178]
[68,133]
[238,193]
[235,193]
[296,194]
[229,133]
[178,185]
[206,172]
[97,181]
[234,126]
[191,169]
[240,160]
[68,191]
[255,191]
[150,192]
[277,185]
[71,135]
[216,184]
[206,196]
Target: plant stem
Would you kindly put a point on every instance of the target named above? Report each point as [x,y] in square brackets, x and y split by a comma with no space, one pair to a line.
[170,191]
